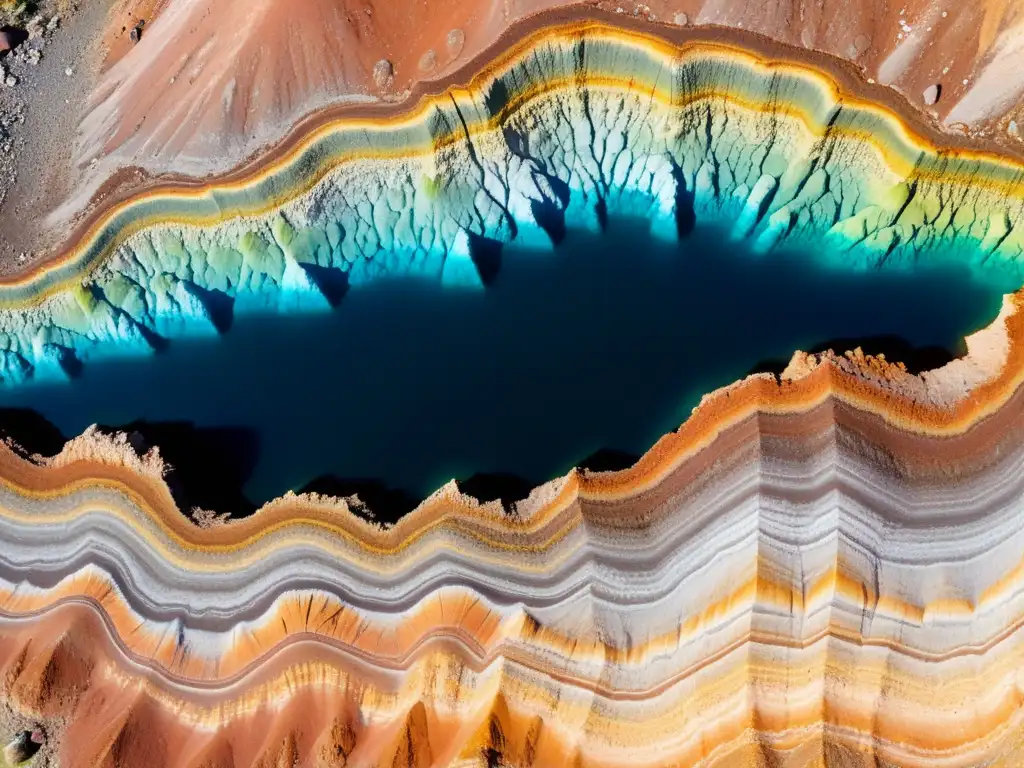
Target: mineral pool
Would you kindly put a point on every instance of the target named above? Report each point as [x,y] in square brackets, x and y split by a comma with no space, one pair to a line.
[606,343]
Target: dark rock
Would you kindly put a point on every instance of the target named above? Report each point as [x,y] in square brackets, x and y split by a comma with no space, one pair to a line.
[24,746]
[11,38]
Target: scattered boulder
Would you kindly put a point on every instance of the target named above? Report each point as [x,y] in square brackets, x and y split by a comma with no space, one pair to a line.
[383,74]
[428,61]
[858,46]
[35,28]
[680,19]
[455,41]
[136,34]
[932,94]
[1013,129]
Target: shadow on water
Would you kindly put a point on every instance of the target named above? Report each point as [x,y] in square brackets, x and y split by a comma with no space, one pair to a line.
[332,282]
[587,355]
[387,504]
[219,305]
[209,466]
[31,430]
[497,486]
[486,255]
[686,216]
[609,460]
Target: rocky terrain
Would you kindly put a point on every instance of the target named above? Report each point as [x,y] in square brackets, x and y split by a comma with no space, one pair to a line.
[45,75]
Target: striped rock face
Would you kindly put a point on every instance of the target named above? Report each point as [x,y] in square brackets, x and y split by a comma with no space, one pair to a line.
[820,570]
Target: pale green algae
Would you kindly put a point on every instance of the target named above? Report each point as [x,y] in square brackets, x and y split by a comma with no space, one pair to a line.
[708,135]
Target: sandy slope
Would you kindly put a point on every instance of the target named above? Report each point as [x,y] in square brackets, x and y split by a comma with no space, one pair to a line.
[213,79]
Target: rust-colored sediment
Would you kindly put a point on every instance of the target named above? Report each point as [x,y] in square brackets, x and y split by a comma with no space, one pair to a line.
[327,49]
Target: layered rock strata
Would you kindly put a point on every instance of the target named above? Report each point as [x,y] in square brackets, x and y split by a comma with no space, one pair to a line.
[820,570]
[574,124]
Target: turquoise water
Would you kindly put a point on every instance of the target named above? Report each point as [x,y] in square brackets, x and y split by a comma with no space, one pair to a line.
[606,343]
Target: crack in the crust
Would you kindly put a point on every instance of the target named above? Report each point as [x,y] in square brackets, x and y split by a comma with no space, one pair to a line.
[640,162]
[1008,229]
[502,179]
[471,150]
[1015,222]
[846,198]
[911,193]
[890,249]
[598,183]
[531,165]
[709,154]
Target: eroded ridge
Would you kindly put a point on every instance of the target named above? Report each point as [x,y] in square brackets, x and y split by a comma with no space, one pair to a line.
[804,569]
[574,124]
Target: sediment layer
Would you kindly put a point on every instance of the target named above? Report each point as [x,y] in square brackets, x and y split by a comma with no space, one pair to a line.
[573,125]
[789,579]
[819,569]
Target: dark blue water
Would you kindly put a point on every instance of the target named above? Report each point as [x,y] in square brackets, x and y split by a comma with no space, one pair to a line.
[607,343]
